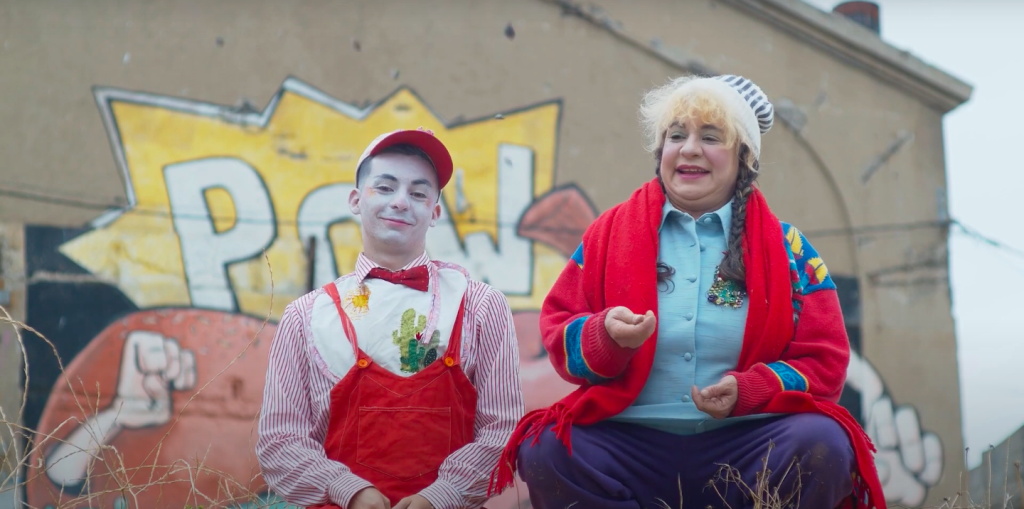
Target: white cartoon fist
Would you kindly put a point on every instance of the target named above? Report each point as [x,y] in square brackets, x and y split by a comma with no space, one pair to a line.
[151,367]
[908,460]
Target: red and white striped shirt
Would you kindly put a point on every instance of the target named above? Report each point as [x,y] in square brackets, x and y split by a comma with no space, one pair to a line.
[296,406]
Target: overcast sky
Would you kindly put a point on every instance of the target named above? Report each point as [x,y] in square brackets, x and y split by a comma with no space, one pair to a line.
[979,41]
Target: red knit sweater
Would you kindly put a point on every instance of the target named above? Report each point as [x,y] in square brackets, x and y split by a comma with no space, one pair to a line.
[795,350]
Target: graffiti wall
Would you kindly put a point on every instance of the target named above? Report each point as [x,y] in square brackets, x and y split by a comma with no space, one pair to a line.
[162,313]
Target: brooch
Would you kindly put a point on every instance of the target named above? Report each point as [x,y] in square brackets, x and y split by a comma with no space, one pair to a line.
[725,293]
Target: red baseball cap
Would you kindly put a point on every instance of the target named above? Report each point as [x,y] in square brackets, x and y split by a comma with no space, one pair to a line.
[419,138]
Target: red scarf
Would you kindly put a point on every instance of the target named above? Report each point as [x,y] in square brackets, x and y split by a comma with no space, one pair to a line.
[621,253]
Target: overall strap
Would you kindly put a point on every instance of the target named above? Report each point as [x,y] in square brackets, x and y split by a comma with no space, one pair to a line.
[346,322]
[454,350]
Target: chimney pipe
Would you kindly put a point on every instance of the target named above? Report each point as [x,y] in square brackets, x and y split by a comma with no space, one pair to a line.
[863,13]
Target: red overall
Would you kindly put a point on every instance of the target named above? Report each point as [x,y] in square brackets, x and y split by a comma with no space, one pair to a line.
[395,431]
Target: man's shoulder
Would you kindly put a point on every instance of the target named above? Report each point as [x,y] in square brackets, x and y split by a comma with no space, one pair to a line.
[482,297]
[483,289]
[304,302]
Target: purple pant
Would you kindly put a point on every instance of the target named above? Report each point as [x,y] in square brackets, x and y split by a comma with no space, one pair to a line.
[625,466]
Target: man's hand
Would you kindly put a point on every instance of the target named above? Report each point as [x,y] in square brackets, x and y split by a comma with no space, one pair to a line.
[627,329]
[717,400]
[414,502]
[370,498]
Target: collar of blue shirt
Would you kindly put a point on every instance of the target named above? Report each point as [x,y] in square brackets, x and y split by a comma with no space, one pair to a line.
[723,214]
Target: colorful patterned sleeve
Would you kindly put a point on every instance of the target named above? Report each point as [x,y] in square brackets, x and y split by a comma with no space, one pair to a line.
[574,335]
[816,359]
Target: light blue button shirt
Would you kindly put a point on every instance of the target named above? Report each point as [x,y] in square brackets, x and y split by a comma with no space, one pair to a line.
[698,342]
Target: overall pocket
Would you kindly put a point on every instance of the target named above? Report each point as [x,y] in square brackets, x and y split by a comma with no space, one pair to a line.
[403,442]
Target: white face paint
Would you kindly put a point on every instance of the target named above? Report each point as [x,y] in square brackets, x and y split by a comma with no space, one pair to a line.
[397,201]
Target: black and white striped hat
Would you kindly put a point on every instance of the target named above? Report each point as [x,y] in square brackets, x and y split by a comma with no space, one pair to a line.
[753,96]
[748,106]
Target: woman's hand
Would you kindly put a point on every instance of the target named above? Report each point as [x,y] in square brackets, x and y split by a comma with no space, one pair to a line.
[717,400]
[627,329]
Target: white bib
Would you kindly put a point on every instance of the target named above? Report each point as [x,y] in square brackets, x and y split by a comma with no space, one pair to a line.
[386,317]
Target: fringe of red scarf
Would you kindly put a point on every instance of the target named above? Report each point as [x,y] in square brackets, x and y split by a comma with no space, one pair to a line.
[530,426]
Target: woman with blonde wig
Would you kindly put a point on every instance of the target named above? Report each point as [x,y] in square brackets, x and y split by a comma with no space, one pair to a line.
[704,334]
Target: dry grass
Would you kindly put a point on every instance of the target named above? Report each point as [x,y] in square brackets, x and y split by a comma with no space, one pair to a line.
[765,496]
[964,500]
[130,483]
[762,495]
[107,466]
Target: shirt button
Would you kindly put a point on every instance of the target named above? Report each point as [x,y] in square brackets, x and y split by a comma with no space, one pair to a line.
[688,316]
[706,220]
[687,356]
[686,398]
[692,279]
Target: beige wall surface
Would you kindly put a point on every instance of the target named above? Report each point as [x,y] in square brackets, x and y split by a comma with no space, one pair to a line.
[12,289]
[112,103]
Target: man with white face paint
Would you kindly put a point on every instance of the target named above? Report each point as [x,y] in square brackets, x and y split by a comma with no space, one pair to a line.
[397,385]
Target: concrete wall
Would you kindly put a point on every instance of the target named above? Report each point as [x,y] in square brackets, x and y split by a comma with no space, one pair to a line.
[233,127]
[999,474]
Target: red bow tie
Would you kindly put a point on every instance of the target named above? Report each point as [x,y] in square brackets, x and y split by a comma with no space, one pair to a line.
[417,278]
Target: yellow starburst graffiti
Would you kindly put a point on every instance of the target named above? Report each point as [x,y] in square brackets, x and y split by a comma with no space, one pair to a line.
[212,188]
